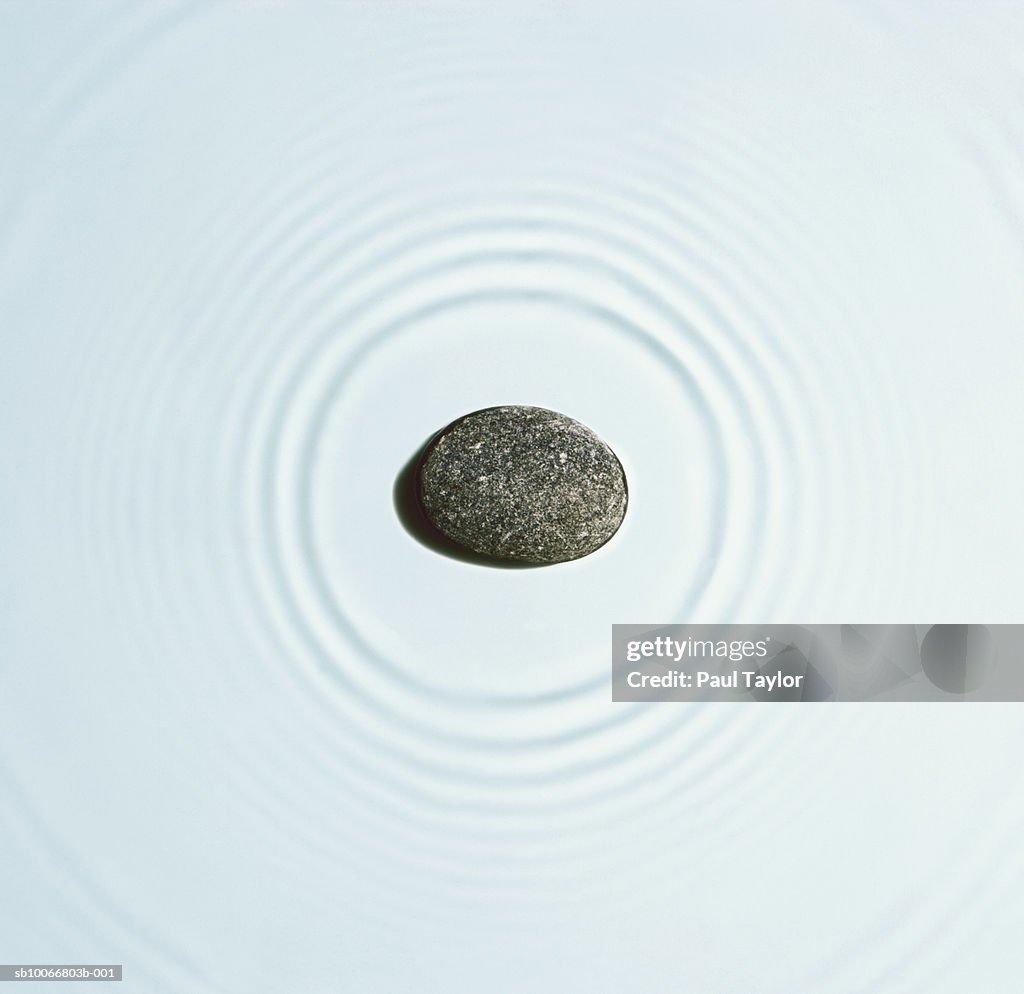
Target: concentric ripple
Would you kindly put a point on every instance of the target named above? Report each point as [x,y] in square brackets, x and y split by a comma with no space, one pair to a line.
[642,281]
[345,286]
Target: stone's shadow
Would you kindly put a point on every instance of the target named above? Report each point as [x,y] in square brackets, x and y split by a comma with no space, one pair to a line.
[406,497]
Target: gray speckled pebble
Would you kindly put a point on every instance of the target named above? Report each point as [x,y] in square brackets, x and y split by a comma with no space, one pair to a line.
[522,484]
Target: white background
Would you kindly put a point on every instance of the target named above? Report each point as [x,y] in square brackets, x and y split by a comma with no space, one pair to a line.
[254,737]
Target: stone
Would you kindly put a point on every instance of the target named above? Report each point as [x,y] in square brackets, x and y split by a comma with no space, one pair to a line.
[522,485]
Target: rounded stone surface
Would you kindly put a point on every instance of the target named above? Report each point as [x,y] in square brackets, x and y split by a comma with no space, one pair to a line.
[522,484]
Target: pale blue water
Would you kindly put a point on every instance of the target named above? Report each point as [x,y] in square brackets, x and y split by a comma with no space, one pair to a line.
[255,738]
